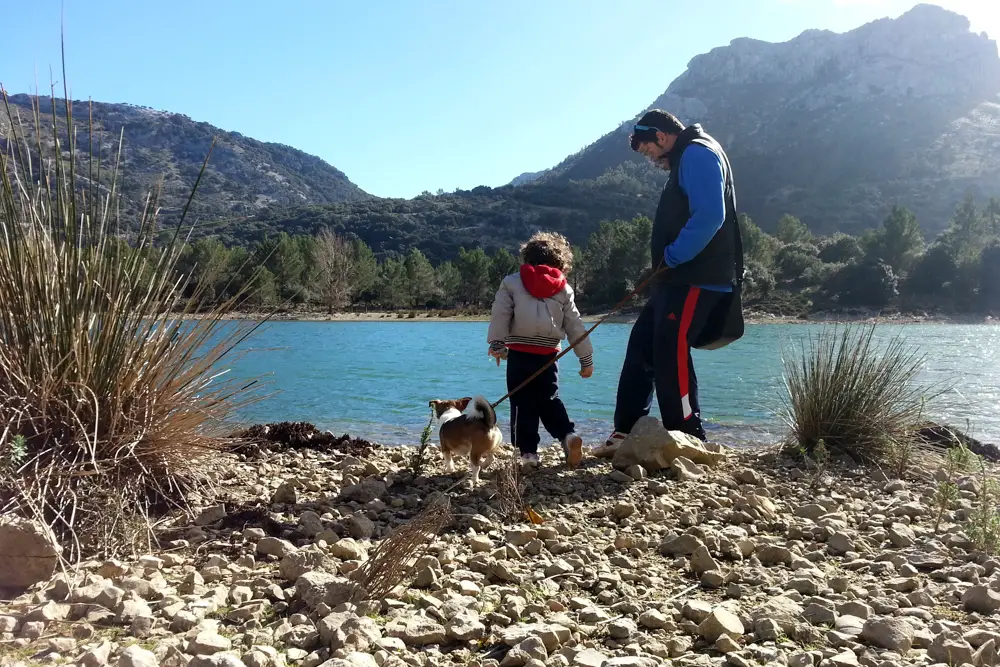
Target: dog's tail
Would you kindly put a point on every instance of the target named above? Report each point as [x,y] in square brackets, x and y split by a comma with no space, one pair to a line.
[479,408]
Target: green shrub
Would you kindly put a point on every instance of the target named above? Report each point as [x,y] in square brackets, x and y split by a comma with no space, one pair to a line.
[109,393]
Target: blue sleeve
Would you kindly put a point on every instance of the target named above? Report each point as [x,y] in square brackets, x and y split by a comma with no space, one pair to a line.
[702,179]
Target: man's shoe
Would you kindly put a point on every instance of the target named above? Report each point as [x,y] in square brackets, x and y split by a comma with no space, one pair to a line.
[529,460]
[573,448]
[610,446]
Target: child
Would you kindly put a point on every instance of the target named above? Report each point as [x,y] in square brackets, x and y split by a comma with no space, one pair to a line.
[532,312]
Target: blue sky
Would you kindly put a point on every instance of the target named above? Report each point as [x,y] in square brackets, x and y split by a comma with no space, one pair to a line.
[406,96]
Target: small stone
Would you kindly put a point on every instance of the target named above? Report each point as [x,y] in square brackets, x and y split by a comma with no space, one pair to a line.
[285,493]
[696,610]
[840,544]
[622,628]
[721,622]
[767,629]
[136,656]
[636,472]
[702,561]
[416,631]
[208,643]
[949,647]
[686,469]
[819,614]
[588,657]
[359,526]
[347,549]
[620,477]
[981,600]
[465,626]
[520,536]
[367,491]
[211,515]
[682,545]
[623,510]
[530,649]
[725,643]
[894,634]
[845,658]
[97,656]
[272,546]
[654,619]
[901,535]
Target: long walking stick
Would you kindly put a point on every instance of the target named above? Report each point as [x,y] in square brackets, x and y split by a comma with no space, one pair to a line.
[586,334]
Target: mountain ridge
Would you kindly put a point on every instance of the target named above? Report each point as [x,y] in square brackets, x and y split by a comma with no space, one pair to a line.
[780,110]
[244,174]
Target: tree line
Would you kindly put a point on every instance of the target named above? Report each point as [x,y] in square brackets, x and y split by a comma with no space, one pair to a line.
[789,271]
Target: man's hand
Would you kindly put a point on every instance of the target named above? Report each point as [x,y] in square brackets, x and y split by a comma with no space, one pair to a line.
[586,371]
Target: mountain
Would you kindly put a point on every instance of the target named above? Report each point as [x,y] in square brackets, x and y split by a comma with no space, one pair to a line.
[244,175]
[835,128]
[527,177]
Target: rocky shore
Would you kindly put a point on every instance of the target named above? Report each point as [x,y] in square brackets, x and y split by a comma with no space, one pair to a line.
[718,558]
[751,316]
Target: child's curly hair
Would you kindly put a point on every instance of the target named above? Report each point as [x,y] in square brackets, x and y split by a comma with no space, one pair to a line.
[549,249]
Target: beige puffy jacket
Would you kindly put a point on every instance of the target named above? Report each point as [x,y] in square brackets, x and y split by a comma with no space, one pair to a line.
[538,320]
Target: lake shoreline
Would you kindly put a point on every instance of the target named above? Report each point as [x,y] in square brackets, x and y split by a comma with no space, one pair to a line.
[623,318]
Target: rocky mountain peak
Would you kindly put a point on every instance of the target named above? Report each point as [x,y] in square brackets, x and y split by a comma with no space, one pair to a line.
[928,51]
[836,127]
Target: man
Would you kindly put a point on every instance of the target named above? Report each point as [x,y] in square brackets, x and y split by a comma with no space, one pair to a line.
[696,237]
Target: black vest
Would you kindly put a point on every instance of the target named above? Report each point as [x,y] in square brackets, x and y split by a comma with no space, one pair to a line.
[721,261]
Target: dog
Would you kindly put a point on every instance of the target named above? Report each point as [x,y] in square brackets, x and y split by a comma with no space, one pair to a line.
[467,427]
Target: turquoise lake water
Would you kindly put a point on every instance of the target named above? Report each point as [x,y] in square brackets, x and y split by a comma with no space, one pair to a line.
[374,379]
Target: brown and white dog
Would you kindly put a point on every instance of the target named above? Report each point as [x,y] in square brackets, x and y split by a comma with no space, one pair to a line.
[467,427]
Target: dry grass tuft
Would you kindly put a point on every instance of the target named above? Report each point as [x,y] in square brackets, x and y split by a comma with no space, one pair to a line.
[510,486]
[393,560]
[110,394]
[855,397]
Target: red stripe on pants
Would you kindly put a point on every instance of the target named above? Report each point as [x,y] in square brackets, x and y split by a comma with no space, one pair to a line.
[683,350]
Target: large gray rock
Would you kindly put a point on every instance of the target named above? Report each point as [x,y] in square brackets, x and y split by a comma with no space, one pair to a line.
[416,631]
[136,656]
[654,448]
[365,491]
[297,563]
[721,623]
[316,586]
[981,600]
[344,630]
[782,610]
[29,552]
[894,634]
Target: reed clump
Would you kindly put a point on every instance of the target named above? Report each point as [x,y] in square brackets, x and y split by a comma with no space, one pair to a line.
[110,394]
[854,396]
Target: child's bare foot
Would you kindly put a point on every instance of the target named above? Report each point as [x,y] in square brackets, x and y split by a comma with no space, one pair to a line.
[574,449]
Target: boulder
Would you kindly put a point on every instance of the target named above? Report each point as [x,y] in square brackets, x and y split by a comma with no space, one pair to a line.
[30,552]
[318,587]
[654,448]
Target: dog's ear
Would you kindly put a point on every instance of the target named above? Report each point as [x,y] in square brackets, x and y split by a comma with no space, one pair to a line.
[464,402]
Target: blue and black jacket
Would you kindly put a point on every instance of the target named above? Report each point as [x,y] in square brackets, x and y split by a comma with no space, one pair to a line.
[695,229]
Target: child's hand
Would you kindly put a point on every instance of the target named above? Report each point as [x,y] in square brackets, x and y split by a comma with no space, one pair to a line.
[498,352]
[586,371]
